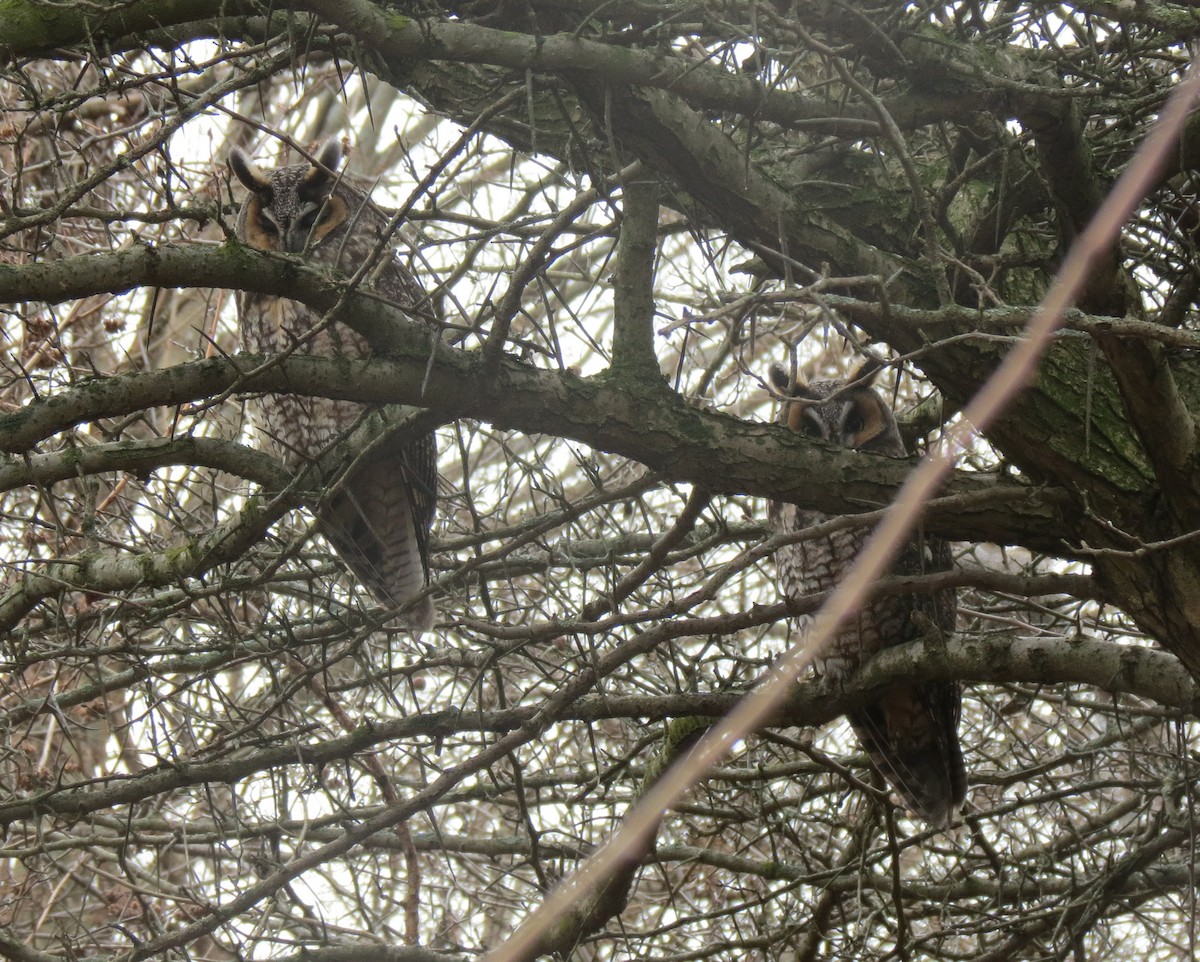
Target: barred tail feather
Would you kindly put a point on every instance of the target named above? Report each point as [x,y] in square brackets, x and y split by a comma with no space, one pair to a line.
[373,525]
[911,736]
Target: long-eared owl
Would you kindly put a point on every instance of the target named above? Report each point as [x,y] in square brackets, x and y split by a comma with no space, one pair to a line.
[911,732]
[379,519]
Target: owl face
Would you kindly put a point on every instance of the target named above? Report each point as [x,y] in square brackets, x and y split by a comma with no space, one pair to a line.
[847,412]
[290,209]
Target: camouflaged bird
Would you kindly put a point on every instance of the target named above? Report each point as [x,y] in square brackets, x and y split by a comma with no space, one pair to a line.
[379,520]
[911,731]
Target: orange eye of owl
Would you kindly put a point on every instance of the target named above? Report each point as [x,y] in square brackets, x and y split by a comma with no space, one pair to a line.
[854,422]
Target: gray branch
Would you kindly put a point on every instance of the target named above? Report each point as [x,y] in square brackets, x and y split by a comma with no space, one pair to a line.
[639,419]
[1147,673]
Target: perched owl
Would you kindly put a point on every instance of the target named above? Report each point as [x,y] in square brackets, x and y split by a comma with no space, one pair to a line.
[379,521]
[911,732]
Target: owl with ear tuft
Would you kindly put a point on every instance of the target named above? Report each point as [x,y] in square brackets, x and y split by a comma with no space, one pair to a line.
[379,517]
[910,732]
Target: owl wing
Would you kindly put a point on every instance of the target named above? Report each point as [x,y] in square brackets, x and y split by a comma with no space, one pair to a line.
[911,732]
[397,282]
[419,461]
[379,524]
[911,736]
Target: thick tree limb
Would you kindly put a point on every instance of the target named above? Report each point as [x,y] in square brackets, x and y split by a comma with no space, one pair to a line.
[141,457]
[639,419]
[645,422]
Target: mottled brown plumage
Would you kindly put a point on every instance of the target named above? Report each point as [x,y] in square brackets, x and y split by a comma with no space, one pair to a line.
[379,520]
[911,731]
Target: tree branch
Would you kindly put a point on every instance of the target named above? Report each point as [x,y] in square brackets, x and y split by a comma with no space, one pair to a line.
[633,291]
[1147,673]
[141,457]
[640,420]
[653,426]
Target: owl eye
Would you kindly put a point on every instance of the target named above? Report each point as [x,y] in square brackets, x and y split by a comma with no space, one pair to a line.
[267,224]
[854,422]
[810,427]
[315,212]
[312,215]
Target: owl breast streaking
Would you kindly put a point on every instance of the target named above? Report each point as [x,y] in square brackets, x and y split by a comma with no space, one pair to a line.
[911,731]
[379,519]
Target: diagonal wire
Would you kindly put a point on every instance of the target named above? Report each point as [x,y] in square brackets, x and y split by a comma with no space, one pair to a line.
[1012,376]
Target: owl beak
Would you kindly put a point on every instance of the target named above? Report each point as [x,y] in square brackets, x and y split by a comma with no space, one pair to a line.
[295,240]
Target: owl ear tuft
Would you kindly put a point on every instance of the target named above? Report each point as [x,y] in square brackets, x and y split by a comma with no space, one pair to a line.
[784,385]
[864,375]
[246,171]
[329,156]
[779,379]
